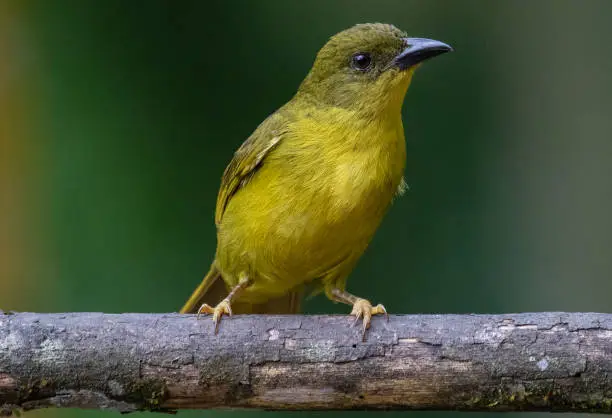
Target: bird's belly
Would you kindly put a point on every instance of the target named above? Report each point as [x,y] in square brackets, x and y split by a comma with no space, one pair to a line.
[312,207]
[284,239]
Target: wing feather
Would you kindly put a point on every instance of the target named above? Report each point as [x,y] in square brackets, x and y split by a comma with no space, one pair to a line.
[247,159]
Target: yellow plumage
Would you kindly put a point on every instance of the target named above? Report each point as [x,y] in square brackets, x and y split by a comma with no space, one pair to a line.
[303,196]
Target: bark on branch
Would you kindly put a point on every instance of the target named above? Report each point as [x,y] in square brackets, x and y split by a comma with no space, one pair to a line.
[129,362]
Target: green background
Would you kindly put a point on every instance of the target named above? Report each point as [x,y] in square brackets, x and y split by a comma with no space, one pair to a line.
[131,110]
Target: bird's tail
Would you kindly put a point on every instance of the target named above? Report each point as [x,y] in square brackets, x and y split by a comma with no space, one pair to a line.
[212,290]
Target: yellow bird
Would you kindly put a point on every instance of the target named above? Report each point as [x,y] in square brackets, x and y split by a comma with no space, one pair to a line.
[305,193]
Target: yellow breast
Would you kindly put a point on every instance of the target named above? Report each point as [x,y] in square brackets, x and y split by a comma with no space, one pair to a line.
[358,164]
[315,201]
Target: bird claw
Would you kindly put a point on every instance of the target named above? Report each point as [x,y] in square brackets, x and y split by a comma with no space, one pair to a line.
[223,307]
[363,308]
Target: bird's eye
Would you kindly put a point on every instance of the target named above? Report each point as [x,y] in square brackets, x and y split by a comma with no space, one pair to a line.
[361,61]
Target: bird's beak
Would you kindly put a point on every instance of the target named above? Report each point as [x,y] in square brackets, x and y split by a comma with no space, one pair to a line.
[418,50]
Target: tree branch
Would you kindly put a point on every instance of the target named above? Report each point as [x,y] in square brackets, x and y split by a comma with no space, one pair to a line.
[129,362]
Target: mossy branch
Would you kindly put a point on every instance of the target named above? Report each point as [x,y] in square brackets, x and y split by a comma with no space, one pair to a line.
[130,362]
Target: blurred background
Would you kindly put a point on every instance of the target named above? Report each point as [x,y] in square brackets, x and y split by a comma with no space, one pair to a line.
[117,119]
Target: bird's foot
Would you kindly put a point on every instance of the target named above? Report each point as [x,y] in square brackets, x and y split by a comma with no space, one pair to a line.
[223,307]
[362,308]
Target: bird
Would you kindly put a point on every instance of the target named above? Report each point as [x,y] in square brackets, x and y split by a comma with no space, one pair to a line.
[303,196]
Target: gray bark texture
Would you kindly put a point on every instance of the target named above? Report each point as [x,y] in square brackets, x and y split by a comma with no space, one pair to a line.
[166,362]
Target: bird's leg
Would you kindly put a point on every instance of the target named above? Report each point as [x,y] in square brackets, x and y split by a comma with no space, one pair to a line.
[362,308]
[224,307]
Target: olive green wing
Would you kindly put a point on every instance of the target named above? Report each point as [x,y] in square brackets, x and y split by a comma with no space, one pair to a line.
[248,158]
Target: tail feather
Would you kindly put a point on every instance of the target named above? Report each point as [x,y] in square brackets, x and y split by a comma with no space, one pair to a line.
[212,290]
[286,304]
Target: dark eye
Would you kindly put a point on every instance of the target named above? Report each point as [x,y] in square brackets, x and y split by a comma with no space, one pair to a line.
[361,61]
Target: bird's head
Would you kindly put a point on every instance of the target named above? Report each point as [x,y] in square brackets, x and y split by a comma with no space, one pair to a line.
[368,67]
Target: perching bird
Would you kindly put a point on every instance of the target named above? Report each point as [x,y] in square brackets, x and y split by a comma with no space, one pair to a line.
[304,194]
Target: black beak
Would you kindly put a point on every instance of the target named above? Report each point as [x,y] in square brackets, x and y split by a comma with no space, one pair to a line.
[418,50]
